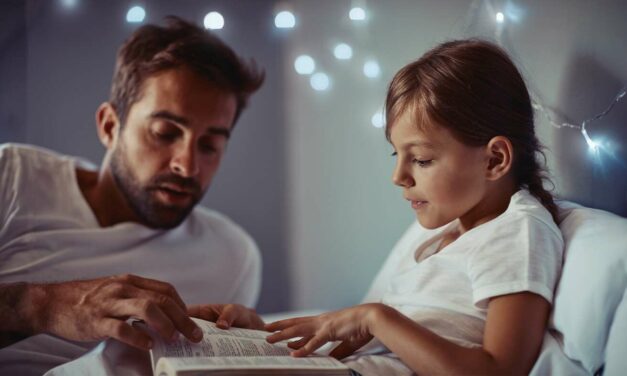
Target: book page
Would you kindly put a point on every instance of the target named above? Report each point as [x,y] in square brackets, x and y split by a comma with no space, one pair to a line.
[259,363]
[216,342]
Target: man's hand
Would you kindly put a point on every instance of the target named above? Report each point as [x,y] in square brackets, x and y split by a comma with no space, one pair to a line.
[97,309]
[227,315]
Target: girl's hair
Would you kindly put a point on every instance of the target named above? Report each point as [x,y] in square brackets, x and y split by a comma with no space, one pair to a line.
[472,88]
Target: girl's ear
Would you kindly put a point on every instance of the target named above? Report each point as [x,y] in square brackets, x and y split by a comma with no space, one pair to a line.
[500,156]
[108,124]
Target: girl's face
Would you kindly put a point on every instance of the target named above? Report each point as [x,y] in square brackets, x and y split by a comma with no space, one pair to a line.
[442,178]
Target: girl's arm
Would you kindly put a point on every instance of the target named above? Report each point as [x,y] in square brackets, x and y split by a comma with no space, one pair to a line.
[512,338]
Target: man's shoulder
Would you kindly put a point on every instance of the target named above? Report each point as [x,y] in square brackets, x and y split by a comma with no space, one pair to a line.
[212,217]
[24,153]
[221,226]
[37,157]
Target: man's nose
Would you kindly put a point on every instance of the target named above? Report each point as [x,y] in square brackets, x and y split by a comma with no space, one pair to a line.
[185,161]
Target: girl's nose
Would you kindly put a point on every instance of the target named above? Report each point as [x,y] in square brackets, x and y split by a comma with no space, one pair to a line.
[401,178]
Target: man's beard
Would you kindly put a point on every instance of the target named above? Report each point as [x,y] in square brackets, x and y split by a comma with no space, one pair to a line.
[142,200]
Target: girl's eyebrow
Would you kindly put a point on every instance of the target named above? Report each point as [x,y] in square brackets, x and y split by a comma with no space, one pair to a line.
[421,144]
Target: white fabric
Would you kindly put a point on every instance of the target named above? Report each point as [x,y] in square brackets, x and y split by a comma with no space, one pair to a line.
[447,292]
[592,286]
[553,361]
[49,233]
[616,348]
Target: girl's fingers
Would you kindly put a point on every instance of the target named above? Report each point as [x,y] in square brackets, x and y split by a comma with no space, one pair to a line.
[312,345]
[291,332]
[346,348]
[282,324]
[299,343]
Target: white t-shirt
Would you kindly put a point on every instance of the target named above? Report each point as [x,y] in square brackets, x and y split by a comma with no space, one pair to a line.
[49,233]
[448,291]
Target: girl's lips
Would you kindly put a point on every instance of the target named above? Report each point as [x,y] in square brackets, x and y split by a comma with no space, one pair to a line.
[418,204]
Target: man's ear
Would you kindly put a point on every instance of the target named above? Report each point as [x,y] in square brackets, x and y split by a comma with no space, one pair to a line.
[108,124]
[500,157]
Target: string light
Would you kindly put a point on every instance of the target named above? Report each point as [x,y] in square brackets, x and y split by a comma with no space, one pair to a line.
[357,14]
[69,3]
[377,120]
[593,145]
[285,20]
[304,64]
[343,51]
[372,69]
[135,15]
[213,21]
[320,81]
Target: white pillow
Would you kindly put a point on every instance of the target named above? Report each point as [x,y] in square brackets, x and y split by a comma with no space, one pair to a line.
[615,359]
[592,284]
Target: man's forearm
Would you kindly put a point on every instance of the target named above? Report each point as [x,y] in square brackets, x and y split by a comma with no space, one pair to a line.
[19,303]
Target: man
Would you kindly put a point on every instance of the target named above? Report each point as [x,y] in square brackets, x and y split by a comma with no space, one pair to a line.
[115,235]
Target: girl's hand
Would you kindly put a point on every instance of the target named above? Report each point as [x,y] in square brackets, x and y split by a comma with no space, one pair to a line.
[227,315]
[351,325]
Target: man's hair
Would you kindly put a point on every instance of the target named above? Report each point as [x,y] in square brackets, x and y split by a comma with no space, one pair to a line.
[151,49]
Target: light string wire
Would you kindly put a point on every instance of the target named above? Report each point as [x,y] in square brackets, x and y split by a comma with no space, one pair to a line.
[537,105]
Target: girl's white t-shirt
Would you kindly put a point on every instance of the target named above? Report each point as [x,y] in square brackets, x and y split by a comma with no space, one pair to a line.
[448,291]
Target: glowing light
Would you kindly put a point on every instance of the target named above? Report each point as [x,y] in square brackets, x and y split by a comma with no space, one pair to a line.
[500,17]
[377,120]
[320,81]
[304,64]
[69,3]
[593,146]
[135,15]
[343,51]
[213,21]
[357,14]
[285,20]
[372,69]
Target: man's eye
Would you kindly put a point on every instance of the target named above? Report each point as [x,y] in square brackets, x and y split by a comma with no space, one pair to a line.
[165,136]
[422,163]
[207,149]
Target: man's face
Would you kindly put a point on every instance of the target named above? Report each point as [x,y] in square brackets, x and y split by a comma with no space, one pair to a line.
[171,145]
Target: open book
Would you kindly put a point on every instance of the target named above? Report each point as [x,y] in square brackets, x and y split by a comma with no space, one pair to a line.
[234,352]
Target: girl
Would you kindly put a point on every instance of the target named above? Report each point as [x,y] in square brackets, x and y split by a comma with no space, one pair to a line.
[474,296]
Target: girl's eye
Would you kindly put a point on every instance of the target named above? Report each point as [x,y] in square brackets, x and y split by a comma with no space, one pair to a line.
[422,163]
[394,154]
